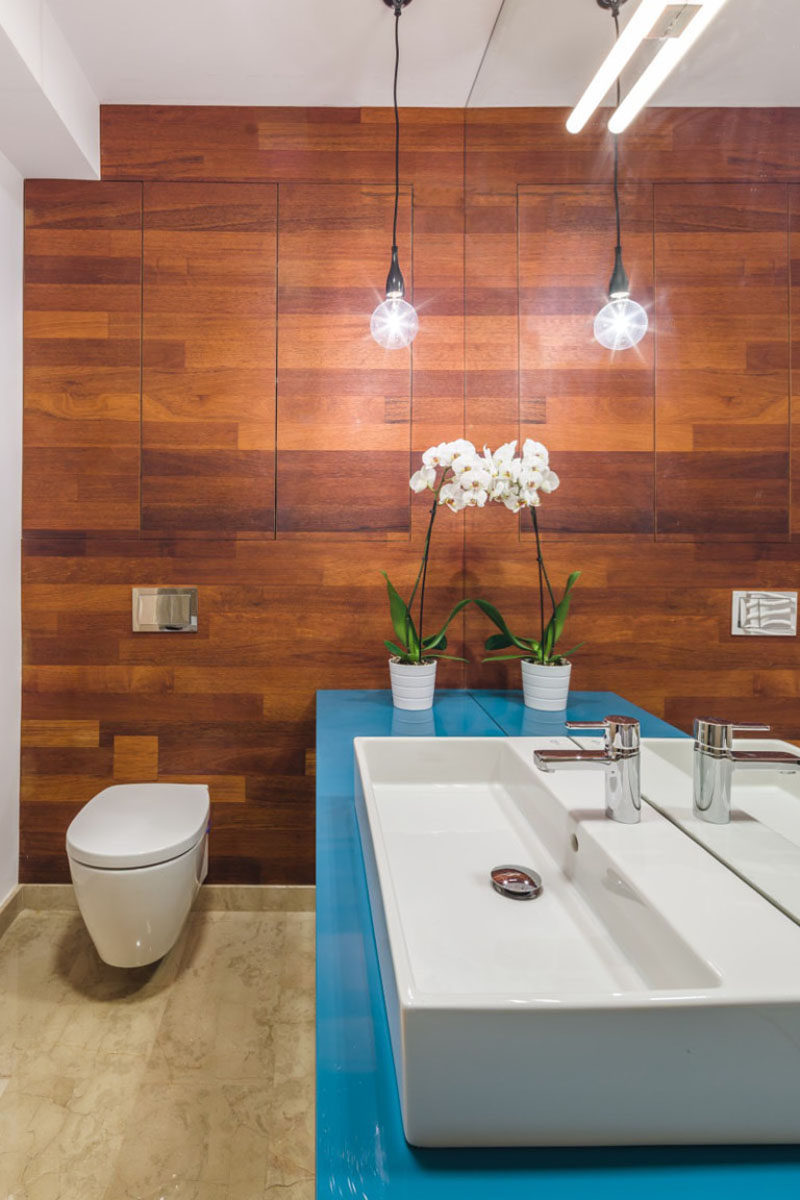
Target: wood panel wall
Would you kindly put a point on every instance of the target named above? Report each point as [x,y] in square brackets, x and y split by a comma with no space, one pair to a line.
[674,458]
[204,406]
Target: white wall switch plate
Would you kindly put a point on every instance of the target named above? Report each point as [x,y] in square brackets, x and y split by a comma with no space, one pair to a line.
[764,614]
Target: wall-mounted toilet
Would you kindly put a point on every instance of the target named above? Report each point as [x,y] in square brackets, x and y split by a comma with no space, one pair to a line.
[138,853]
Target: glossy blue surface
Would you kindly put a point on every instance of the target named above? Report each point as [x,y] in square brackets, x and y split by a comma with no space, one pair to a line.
[361,1151]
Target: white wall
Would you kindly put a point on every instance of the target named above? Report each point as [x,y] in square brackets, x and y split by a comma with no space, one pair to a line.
[11,231]
[49,115]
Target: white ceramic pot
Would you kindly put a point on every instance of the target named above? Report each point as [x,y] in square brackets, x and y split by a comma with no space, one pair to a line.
[412,684]
[545,687]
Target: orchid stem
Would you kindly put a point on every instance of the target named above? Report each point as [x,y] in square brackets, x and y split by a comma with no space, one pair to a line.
[423,569]
[542,575]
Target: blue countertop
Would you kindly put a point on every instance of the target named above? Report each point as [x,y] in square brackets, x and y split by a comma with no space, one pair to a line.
[361,1150]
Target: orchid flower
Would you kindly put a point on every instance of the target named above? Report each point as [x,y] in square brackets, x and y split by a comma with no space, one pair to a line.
[517,482]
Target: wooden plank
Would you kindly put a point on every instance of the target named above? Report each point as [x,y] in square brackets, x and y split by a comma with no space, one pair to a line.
[722,422]
[82,355]
[135,759]
[593,409]
[344,412]
[208,384]
[60,733]
[794,354]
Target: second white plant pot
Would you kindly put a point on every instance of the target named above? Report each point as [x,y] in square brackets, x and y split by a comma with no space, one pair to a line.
[545,687]
[412,684]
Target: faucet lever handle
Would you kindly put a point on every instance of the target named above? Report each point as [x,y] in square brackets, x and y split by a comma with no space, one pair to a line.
[622,733]
[710,733]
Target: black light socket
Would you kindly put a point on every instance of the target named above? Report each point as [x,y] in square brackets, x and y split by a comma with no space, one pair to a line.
[619,285]
[395,284]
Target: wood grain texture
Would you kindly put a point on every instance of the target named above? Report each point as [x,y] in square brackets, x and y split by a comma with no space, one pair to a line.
[794,356]
[654,614]
[82,353]
[208,384]
[233,705]
[722,419]
[505,222]
[655,619]
[344,418]
[593,410]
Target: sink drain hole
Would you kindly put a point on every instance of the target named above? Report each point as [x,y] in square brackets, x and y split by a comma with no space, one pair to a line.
[517,883]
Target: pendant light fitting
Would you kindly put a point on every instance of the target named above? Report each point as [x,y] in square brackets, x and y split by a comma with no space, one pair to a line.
[394,323]
[621,323]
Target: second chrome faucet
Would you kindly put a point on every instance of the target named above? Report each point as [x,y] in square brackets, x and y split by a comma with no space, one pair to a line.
[715,761]
[619,758]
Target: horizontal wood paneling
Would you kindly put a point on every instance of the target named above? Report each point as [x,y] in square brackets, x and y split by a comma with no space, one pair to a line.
[232,706]
[503,271]
[208,383]
[83,268]
[722,418]
[655,619]
[593,410]
[344,418]
[280,145]
[794,355]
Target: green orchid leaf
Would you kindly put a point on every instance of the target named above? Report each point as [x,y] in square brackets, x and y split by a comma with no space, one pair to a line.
[449,657]
[438,639]
[572,649]
[498,641]
[562,608]
[497,618]
[395,649]
[402,620]
[494,615]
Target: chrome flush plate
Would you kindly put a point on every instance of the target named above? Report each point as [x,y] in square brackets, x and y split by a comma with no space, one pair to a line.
[764,614]
[165,610]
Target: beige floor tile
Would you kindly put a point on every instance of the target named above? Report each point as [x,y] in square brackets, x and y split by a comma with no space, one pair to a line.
[190,1080]
[302,1190]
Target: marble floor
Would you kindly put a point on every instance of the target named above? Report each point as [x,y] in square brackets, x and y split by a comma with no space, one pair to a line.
[191,1080]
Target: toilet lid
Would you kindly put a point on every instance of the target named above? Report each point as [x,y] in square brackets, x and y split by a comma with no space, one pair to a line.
[139,824]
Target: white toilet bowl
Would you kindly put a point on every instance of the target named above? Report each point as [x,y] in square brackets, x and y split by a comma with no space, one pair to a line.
[138,853]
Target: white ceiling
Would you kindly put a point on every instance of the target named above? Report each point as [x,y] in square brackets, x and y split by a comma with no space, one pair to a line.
[309,52]
[292,52]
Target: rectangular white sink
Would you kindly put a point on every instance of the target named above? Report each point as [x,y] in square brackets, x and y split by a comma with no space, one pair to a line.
[762,840]
[648,996]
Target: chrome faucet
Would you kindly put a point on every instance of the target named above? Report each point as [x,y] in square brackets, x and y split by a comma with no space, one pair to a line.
[715,761]
[619,757]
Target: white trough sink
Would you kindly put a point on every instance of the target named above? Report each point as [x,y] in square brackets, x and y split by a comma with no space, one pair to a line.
[648,995]
[762,840]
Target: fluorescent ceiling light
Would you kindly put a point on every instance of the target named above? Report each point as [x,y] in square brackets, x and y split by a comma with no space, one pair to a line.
[677,26]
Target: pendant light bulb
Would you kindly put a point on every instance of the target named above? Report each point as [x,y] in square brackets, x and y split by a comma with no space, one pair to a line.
[394,323]
[621,324]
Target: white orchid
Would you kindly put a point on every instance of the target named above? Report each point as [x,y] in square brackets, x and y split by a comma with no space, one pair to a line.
[535,453]
[424,478]
[518,481]
[444,454]
[453,497]
[463,478]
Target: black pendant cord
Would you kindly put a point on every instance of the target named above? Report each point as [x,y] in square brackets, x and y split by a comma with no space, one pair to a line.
[398,9]
[619,285]
[615,14]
